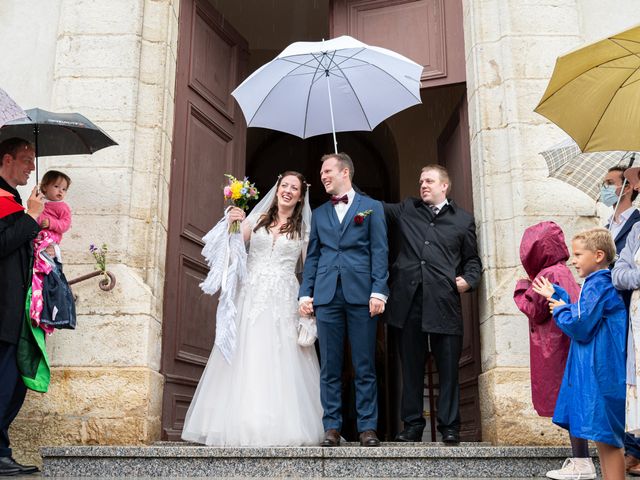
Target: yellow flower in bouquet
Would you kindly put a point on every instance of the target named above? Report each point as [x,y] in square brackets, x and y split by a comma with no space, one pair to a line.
[239,193]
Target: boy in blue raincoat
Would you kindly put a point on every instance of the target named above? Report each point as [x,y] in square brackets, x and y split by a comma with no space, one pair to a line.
[591,401]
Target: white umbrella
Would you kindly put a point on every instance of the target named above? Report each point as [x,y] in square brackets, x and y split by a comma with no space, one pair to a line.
[336,85]
[9,110]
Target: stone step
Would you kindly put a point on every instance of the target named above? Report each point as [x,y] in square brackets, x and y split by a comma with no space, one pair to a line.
[391,460]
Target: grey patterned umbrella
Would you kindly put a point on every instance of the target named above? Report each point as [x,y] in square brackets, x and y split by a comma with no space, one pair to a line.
[584,171]
[9,110]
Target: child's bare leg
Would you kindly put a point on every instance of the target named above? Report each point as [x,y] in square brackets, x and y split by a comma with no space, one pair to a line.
[611,461]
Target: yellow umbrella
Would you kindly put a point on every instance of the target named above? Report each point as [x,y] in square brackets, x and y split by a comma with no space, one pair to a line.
[594,94]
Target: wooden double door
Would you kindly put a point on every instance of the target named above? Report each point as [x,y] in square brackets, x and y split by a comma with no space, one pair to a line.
[210,139]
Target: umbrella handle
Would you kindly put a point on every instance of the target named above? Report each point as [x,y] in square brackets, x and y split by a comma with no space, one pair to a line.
[333,126]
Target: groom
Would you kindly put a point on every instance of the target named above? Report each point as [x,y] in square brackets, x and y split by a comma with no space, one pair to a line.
[345,279]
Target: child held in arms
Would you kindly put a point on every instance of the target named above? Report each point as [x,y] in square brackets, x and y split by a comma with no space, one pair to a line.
[591,401]
[54,221]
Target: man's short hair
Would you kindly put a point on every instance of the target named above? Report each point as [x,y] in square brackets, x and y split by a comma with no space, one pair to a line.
[443,172]
[621,169]
[343,159]
[598,239]
[12,145]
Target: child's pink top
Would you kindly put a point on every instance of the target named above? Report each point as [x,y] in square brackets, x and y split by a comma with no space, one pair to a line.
[59,215]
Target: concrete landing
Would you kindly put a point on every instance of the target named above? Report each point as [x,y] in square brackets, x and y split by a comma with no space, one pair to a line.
[391,460]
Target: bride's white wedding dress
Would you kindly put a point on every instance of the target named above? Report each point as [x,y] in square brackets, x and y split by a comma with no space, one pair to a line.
[270,393]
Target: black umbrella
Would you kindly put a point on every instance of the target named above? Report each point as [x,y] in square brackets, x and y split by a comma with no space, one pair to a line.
[57,133]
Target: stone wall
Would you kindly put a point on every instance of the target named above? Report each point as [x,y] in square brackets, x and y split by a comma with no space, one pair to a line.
[114,61]
[510,49]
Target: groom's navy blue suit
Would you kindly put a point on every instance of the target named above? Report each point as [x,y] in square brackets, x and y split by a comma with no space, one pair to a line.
[347,262]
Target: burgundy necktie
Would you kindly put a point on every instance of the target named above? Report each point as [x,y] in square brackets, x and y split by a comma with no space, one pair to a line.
[335,199]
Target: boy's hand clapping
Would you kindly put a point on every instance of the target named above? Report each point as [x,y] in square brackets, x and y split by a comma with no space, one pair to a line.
[553,303]
[543,287]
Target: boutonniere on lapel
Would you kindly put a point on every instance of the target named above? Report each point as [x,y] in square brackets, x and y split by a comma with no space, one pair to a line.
[360,216]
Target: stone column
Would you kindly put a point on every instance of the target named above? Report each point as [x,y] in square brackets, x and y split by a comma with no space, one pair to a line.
[115,63]
[510,49]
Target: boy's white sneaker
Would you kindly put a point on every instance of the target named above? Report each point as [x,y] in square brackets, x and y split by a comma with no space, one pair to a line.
[574,469]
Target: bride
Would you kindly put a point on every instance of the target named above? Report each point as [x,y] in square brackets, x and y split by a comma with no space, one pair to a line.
[269,394]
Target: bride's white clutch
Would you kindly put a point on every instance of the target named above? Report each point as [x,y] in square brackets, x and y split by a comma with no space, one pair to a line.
[307,331]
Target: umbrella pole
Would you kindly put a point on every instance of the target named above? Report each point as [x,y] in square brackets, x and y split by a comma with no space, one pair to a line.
[333,126]
[36,135]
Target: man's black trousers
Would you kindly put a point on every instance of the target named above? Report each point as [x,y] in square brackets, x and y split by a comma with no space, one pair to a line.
[414,347]
[12,393]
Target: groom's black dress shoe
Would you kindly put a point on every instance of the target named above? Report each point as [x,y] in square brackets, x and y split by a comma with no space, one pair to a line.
[369,438]
[410,434]
[9,467]
[331,438]
[451,437]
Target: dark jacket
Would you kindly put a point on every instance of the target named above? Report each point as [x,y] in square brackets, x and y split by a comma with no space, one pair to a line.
[543,253]
[356,252]
[16,233]
[621,241]
[432,251]
[621,236]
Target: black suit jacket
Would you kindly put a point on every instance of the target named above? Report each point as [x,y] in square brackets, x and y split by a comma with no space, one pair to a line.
[16,233]
[432,251]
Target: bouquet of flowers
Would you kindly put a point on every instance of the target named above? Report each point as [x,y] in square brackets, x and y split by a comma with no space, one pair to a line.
[100,256]
[238,193]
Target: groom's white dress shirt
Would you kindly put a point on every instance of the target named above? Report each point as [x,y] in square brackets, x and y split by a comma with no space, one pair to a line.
[341,208]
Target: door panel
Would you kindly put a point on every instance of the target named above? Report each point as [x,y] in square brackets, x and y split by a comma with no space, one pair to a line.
[209,140]
[455,156]
[429,32]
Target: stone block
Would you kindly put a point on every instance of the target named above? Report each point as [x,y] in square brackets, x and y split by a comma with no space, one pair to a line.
[89,185]
[98,17]
[90,407]
[488,351]
[512,340]
[144,197]
[95,229]
[100,99]
[131,295]
[163,206]
[155,25]
[100,341]
[508,417]
[29,434]
[522,96]
[101,393]
[482,21]
[150,102]
[98,56]
[555,19]
[148,147]
[152,64]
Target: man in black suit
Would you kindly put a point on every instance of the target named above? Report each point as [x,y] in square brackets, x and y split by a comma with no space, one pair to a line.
[17,230]
[437,261]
